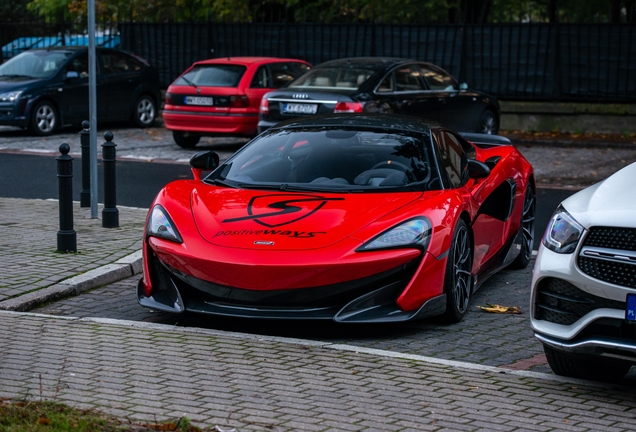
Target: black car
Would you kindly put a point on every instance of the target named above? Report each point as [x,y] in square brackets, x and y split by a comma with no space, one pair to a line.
[45,89]
[383,85]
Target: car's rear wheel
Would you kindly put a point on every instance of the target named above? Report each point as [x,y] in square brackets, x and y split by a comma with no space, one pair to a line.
[144,112]
[458,278]
[527,231]
[185,139]
[44,119]
[488,123]
[578,366]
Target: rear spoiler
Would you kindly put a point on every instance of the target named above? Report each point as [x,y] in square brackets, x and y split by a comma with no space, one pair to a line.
[485,140]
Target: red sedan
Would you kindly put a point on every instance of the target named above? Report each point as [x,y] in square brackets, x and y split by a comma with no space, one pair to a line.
[222,96]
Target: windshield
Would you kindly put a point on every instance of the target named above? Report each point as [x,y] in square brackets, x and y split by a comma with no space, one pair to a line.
[332,78]
[330,159]
[212,76]
[35,64]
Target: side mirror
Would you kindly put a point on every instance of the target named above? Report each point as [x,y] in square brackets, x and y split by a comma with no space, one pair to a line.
[72,74]
[203,161]
[477,170]
[463,86]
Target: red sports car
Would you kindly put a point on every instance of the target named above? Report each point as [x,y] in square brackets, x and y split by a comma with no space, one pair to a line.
[222,96]
[351,218]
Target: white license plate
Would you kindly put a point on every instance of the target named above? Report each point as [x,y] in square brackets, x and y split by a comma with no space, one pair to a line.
[198,100]
[296,108]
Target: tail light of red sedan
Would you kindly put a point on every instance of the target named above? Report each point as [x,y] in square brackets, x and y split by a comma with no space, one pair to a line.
[264,108]
[348,107]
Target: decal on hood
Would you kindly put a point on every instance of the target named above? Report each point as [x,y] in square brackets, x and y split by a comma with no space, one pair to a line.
[284,211]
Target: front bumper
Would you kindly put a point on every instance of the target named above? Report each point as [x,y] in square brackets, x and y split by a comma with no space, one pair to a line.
[578,314]
[372,298]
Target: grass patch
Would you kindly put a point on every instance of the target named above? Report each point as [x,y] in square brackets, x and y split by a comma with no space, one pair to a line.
[30,416]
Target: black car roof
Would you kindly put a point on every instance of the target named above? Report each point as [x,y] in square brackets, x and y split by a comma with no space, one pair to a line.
[373,63]
[366,121]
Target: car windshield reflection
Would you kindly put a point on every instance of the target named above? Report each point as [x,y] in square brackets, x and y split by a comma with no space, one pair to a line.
[333,78]
[34,64]
[330,159]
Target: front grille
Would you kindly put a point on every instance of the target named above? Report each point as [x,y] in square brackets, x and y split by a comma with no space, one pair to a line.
[623,274]
[560,302]
[608,254]
[611,238]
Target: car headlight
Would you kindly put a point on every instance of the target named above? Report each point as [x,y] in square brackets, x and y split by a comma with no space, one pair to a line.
[11,96]
[160,225]
[563,232]
[412,233]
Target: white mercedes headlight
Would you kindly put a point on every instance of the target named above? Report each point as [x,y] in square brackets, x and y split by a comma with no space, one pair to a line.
[563,232]
[11,96]
[412,233]
[160,225]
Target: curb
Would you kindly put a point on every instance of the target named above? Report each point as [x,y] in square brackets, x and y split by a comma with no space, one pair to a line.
[127,266]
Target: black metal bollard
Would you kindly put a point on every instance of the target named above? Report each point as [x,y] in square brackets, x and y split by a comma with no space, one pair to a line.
[110,214]
[66,236]
[85,145]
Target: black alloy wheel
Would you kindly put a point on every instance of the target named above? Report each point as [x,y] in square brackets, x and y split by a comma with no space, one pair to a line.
[44,119]
[488,123]
[527,231]
[458,279]
[185,139]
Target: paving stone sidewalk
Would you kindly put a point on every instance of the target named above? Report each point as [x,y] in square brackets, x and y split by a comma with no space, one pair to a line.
[150,372]
[33,267]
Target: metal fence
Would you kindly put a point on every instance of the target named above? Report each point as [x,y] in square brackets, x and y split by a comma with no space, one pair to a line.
[557,62]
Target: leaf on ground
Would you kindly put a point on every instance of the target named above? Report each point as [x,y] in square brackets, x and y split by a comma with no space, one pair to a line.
[495,308]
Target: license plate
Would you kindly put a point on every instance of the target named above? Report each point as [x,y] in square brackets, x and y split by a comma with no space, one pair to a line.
[630,310]
[295,108]
[198,100]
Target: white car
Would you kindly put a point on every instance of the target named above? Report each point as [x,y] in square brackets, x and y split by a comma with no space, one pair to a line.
[583,299]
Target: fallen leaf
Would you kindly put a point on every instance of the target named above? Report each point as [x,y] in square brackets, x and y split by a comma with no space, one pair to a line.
[495,308]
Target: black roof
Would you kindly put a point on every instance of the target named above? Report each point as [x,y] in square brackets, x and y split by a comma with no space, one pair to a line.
[371,63]
[366,121]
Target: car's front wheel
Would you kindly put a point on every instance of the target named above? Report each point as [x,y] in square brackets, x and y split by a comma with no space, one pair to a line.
[578,366]
[185,139]
[44,119]
[144,112]
[458,278]
[488,123]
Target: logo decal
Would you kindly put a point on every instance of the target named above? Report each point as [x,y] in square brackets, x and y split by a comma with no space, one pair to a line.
[286,209]
[264,242]
[300,96]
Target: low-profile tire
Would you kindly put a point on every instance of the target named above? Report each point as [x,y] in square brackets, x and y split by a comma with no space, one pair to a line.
[44,119]
[185,139]
[458,279]
[144,111]
[527,231]
[488,123]
[578,366]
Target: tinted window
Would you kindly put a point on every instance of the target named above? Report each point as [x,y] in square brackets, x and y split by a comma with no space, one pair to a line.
[334,78]
[407,78]
[36,64]
[282,74]
[115,62]
[261,78]
[437,79]
[331,159]
[213,76]
[80,65]
[453,158]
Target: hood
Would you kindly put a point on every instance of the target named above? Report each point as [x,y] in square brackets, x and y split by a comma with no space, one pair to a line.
[13,83]
[272,220]
[611,202]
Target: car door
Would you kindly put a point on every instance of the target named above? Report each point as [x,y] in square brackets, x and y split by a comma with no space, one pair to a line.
[120,76]
[454,105]
[73,93]
[488,226]
[403,91]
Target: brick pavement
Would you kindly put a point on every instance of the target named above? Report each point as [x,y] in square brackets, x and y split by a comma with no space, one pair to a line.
[150,372]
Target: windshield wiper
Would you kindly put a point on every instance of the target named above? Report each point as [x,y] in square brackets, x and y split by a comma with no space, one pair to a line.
[189,82]
[218,182]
